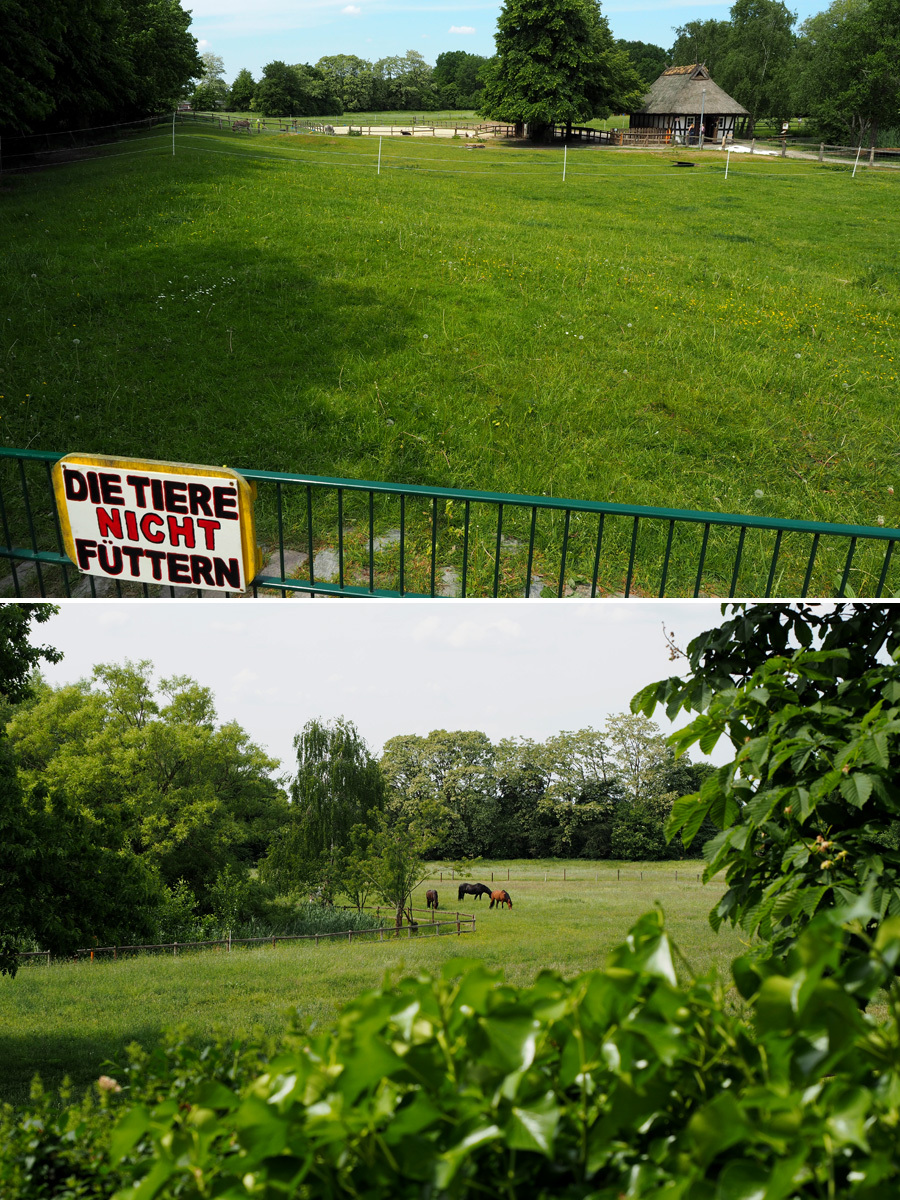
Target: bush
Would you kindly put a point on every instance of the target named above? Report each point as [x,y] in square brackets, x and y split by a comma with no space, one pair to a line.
[624,1081]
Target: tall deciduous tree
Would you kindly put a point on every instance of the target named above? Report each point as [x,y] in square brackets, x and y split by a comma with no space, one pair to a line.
[701,42]
[848,76]
[556,62]
[67,63]
[242,91]
[454,773]
[338,786]
[756,65]
[648,60]
[153,770]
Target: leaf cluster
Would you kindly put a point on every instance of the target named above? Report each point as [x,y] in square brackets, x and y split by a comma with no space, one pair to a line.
[623,1081]
[808,808]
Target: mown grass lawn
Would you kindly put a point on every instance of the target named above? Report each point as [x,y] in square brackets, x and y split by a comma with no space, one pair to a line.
[637,333]
[72,1018]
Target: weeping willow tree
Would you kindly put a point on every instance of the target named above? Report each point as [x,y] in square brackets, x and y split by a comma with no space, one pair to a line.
[338,786]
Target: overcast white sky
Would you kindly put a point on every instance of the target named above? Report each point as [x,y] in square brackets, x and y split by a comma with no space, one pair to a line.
[253,34]
[508,668]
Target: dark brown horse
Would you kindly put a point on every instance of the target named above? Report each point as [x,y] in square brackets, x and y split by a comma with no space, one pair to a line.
[500,898]
[431,900]
[473,889]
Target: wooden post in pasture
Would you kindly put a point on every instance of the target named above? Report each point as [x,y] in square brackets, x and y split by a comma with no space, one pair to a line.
[174,949]
[317,939]
[752,144]
[229,941]
[507,874]
[564,874]
[821,151]
[676,876]
[618,874]
[492,876]
[350,937]
[457,925]
[273,943]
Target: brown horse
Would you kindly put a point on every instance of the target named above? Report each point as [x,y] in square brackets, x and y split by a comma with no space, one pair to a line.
[431,900]
[500,898]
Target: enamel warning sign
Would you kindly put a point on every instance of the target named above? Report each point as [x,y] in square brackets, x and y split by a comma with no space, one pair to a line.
[152,522]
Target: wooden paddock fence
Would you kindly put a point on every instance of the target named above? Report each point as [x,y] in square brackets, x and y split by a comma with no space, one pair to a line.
[460,922]
[688,874]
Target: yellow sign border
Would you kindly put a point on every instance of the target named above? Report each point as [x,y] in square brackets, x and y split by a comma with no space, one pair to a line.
[250,551]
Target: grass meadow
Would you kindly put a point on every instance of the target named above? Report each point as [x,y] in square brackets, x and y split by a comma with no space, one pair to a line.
[636,333]
[71,1018]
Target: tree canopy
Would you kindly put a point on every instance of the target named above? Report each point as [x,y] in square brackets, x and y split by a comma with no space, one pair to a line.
[125,793]
[848,68]
[556,62]
[68,63]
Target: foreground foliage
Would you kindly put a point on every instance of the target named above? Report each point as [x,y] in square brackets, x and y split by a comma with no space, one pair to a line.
[809,808]
[624,1081]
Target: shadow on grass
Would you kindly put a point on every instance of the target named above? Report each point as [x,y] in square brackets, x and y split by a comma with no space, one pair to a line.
[82,1057]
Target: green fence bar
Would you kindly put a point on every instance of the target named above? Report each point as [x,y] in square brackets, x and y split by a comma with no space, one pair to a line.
[349,537]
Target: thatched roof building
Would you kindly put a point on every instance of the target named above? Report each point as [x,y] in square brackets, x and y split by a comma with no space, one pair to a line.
[681,98]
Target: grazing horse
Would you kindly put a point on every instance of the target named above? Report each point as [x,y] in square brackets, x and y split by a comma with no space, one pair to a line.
[473,889]
[431,900]
[500,898]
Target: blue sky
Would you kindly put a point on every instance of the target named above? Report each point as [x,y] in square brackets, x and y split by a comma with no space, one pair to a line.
[251,34]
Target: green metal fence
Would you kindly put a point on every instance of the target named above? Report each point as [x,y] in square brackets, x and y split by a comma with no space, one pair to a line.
[345,537]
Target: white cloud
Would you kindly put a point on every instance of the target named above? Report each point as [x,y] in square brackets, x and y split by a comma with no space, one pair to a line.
[466,634]
[352,10]
[202,45]
[462,29]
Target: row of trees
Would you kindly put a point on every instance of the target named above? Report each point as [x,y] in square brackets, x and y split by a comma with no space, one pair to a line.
[840,67]
[341,83]
[73,63]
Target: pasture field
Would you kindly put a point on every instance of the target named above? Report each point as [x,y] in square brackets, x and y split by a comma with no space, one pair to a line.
[637,333]
[70,1019]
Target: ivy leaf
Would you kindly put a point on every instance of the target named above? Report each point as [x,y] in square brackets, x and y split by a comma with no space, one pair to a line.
[534,1128]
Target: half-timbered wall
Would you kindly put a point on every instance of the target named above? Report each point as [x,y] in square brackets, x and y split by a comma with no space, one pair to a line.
[714,127]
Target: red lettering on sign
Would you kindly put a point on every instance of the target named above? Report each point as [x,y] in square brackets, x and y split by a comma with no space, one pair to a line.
[209,528]
[184,530]
[148,520]
[109,524]
[131,526]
